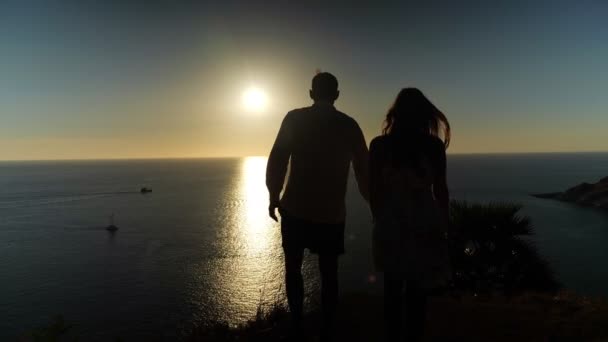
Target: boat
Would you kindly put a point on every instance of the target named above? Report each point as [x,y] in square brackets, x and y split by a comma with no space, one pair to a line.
[111,227]
[145,190]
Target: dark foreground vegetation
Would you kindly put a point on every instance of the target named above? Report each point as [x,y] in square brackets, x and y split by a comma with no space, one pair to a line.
[526,317]
[491,250]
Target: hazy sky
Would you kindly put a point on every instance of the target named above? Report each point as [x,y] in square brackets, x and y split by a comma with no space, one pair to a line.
[120,79]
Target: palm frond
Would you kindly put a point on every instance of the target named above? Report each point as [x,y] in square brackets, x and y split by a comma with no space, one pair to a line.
[488,251]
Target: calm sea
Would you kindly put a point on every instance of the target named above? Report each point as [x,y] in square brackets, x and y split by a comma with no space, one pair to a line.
[201,247]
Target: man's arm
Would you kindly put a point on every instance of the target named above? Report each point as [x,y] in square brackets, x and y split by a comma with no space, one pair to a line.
[361,162]
[276,168]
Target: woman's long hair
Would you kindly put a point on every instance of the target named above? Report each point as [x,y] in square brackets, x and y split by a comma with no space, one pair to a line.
[414,113]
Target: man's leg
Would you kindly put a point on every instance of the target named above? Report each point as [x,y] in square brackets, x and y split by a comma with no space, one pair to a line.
[415,310]
[294,284]
[393,300]
[328,265]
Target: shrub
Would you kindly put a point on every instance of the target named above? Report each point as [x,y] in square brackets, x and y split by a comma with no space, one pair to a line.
[490,252]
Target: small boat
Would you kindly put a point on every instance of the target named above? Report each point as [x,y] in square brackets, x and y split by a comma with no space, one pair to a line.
[145,190]
[111,227]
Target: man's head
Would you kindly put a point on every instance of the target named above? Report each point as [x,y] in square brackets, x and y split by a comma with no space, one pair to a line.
[324,88]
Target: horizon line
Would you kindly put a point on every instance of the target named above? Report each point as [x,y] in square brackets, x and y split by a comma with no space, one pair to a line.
[240,156]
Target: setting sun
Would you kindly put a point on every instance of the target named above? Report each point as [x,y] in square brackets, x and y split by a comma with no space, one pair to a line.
[254,99]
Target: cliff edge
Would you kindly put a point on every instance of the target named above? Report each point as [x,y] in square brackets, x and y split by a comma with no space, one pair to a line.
[587,194]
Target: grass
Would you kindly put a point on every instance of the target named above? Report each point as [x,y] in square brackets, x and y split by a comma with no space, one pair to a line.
[525,317]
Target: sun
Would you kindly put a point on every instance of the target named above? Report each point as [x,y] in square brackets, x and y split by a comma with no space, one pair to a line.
[254,99]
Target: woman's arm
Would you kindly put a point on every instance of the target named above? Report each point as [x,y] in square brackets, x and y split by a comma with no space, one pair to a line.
[361,162]
[375,176]
[440,184]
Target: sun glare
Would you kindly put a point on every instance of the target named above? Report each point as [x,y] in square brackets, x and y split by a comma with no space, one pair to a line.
[254,99]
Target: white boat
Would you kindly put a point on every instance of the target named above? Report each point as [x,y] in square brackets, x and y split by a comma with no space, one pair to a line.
[112,227]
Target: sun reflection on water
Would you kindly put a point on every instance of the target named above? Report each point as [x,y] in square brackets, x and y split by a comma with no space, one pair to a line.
[254,275]
[255,222]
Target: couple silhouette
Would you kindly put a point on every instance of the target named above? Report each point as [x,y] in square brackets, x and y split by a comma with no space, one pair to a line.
[403,178]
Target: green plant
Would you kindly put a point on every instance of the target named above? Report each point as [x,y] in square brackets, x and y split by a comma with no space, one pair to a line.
[490,252]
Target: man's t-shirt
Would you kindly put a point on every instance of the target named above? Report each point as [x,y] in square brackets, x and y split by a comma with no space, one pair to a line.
[318,143]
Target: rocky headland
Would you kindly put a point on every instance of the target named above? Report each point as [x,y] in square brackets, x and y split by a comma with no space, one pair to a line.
[587,194]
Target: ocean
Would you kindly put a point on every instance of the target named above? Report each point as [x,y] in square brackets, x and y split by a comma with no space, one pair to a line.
[200,246]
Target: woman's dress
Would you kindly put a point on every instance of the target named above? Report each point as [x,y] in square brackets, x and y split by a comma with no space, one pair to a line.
[410,237]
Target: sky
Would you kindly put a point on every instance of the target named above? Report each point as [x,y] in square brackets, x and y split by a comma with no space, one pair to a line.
[154,79]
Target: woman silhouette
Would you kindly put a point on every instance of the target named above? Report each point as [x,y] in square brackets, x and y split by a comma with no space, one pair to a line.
[409,201]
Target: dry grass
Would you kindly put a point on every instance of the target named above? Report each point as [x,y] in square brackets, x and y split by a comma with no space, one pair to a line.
[529,317]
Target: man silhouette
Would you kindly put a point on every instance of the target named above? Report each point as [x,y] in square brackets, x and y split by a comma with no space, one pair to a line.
[321,143]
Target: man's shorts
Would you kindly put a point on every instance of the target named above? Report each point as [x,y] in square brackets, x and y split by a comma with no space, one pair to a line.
[319,238]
